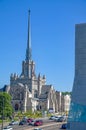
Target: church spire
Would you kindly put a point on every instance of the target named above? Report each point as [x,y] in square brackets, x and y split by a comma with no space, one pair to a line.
[28,50]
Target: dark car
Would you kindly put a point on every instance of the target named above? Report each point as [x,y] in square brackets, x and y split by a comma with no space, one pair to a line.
[22,122]
[64,126]
[29,120]
[38,122]
[61,119]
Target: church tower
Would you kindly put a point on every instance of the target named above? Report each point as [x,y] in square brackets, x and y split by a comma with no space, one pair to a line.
[28,77]
[28,66]
[29,90]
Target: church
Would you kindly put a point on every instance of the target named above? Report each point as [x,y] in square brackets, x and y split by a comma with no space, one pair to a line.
[28,90]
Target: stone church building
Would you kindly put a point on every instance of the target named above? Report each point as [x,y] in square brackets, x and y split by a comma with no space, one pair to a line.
[29,91]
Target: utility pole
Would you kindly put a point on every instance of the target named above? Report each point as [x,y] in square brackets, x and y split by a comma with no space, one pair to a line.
[2,111]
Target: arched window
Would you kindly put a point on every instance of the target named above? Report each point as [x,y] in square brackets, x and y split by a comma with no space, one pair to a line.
[16,107]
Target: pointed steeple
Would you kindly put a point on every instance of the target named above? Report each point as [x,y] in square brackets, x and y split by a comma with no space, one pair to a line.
[28,50]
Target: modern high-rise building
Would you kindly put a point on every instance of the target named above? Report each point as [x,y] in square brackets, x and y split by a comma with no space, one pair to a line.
[77,114]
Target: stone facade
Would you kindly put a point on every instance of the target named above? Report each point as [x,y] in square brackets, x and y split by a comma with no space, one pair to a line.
[48,98]
[63,102]
[66,103]
[59,100]
[30,91]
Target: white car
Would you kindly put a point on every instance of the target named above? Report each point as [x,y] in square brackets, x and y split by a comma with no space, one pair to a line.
[53,118]
[14,123]
[56,118]
[7,128]
[38,129]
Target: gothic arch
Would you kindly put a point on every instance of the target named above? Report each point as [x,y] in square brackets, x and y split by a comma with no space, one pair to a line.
[16,107]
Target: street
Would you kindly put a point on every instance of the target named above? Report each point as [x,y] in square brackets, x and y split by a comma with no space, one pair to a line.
[46,126]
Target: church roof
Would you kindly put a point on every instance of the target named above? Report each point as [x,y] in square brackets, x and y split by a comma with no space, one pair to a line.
[45,91]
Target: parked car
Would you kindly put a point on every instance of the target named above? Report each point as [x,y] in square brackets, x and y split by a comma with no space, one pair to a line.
[22,122]
[7,128]
[38,129]
[29,120]
[64,126]
[32,122]
[38,122]
[61,119]
[14,123]
[56,118]
[52,117]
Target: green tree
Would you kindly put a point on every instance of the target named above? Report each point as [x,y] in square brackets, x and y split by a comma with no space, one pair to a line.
[66,93]
[5,104]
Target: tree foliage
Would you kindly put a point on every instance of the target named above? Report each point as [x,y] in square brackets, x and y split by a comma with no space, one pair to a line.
[66,93]
[5,104]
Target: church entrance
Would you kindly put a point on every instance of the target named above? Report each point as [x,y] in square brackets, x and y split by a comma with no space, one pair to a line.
[16,107]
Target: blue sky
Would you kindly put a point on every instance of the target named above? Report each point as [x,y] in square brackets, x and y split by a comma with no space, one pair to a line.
[52,35]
